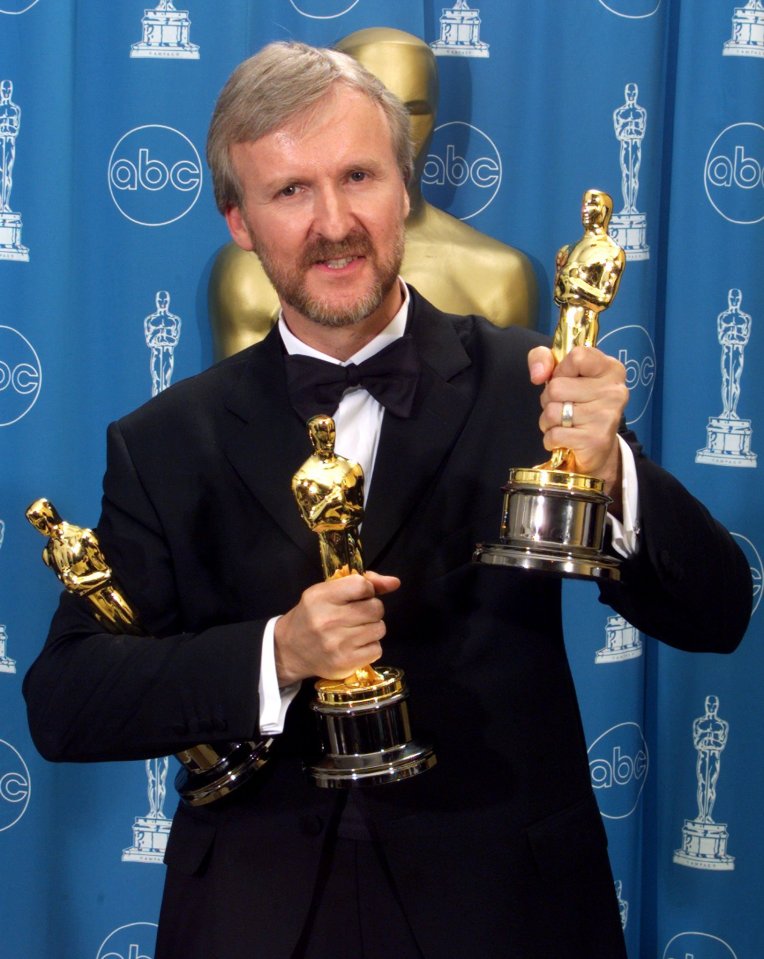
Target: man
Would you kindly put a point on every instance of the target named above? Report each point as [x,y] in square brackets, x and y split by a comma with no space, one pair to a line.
[498,850]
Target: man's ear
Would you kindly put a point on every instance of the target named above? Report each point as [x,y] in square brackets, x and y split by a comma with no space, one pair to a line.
[406,202]
[238,228]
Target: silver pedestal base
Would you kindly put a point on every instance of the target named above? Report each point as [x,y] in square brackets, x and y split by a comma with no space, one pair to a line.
[372,769]
[552,522]
[595,566]
[365,735]
[226,771]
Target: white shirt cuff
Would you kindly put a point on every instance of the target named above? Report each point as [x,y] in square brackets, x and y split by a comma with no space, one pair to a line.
[274,701]
[625,532]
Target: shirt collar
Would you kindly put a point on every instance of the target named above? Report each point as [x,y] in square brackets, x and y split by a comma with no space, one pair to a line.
[394,329]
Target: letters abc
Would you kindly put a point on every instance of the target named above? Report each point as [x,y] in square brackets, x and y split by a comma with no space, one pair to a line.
[155,175]
[734,173]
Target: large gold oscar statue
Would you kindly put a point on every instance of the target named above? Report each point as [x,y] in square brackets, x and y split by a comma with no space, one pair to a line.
[453,265]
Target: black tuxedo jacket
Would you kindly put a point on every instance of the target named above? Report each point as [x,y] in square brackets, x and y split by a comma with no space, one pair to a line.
[499,850]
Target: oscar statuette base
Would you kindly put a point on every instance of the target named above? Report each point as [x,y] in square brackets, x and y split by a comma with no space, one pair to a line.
[150,835]
[365,734]
[552,522]
[211,772]
[704,846]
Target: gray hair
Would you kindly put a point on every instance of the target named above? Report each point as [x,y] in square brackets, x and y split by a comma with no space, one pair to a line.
[280,82]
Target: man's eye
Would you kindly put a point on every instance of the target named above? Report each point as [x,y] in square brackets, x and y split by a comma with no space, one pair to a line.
[357,176]
[290,190]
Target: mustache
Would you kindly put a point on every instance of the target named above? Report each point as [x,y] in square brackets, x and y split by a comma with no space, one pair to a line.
[356,243]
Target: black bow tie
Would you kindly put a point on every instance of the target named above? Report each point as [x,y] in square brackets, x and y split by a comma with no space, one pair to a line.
[316,386]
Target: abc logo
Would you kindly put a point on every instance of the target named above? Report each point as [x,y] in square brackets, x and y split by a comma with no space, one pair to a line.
[133,941]
[462,173]
[754,561]
[618,763]
[632,9]
[323,9]
[734,173]
[15,786]
[698,945]
[16,6]
[155,175]
[634,348]
[20,376]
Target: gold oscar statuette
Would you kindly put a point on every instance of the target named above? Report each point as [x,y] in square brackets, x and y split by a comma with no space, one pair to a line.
[210,770]
[553,517]
[364,729]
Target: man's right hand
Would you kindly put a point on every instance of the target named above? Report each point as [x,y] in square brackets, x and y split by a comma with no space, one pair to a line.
[336,628]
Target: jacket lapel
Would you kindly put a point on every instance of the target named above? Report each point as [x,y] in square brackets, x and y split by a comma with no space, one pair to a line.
[412,451]
[264,439]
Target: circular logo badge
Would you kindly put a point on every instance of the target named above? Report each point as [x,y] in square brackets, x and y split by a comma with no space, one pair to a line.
[757,569]
[155,175]
[633,346]
[618,763]
[15,786]
[20,376]
[632,9]
[323,9]
[463,171]
[14,7]
[698,945]
[734,173]
[136,940]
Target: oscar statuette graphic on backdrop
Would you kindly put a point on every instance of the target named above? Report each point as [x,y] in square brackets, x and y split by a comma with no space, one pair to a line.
[728,436]
[11,247]
[166,34]
[704,841]
[162,333]
[7,665]
[747,31]
[460,33]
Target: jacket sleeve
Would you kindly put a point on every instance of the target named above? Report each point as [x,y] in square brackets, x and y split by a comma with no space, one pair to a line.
[93,695]
[689,585]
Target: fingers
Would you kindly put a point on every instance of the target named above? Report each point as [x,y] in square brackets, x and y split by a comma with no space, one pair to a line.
[336,628]
[382,584]
[595,385]
[541,363]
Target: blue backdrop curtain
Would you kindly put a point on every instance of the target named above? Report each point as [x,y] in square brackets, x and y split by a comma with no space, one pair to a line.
[106,203]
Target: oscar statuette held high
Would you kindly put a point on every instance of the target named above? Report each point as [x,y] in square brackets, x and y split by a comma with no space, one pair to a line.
[553,517]
[364,729]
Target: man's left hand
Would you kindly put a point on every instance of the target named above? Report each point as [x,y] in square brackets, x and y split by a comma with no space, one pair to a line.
[596,386]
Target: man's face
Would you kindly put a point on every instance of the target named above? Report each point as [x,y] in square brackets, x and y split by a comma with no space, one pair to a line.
[324,208]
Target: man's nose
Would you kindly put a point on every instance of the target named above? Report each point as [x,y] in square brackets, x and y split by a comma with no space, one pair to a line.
[333,217]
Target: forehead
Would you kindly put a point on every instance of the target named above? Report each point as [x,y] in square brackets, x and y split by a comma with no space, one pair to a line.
[344,126]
